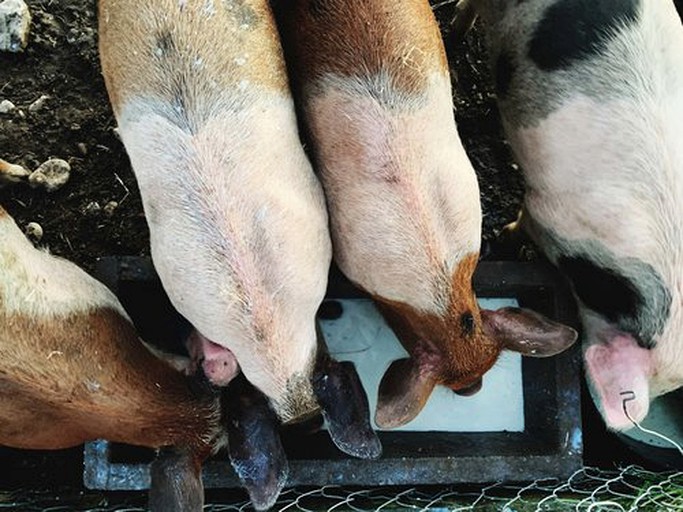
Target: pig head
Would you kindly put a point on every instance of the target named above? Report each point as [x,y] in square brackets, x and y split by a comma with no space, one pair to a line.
[591,98]
[372,82]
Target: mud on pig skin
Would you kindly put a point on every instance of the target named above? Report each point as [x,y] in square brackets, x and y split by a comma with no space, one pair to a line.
[373,88]
[591,98]
[238,224]
[72,369]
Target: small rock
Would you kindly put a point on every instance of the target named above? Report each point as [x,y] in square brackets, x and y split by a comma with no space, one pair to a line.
[82,148]
[92,208]
[11,173]
[34,231]
[15,21]
[6,107]
[110,207]
[38,104]
[51,175]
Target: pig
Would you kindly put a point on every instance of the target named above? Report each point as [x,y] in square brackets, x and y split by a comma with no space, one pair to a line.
[72,369]
[591,100]
[238,226]
[372,85]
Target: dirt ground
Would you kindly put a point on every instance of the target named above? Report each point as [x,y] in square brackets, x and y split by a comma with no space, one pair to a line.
[77,125]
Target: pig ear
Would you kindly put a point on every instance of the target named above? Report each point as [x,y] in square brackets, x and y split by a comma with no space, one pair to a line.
[403,393]
[618,373]
[527,332]
[345,408]
[256,452]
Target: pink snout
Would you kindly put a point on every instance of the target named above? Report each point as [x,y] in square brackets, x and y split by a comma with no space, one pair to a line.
[219,364]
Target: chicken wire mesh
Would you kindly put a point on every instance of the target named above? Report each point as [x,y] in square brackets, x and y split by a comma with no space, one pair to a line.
[630,489]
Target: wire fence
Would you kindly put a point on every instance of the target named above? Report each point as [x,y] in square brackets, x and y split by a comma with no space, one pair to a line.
[631,489]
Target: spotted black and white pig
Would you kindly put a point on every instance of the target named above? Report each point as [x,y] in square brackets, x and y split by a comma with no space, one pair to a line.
[372,82]
[591,97]
[237,218]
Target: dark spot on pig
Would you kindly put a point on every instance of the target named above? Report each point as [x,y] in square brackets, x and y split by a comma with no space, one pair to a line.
[467,323]
[619,299]
[601,289]
[245,14]
[330,310]
[505,70]
[165,44]
[574,30]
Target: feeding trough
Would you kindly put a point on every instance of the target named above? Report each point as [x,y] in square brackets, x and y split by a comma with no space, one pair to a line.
[523,425]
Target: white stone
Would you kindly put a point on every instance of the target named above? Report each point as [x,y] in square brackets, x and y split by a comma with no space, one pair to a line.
[15,22]
[38,104]
[110,207]
[51,175]
[34,231]
[6,107]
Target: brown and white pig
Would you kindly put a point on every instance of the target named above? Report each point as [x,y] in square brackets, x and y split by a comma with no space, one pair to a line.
[372,82]
[237,218]
[72,369]
[591,97]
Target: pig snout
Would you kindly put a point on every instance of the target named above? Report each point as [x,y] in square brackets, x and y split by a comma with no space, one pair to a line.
[217,362]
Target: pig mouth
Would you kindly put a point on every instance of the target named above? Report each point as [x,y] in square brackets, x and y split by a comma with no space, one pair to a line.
[469,390]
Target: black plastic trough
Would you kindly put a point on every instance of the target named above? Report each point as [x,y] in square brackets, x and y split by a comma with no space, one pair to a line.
[549,447]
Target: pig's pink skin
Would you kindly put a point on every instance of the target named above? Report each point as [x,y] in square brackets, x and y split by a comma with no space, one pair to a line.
[619,370]
[219,364]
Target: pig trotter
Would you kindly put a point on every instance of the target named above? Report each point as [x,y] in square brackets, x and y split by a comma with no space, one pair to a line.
[256,452]
[176,484]
[345,408]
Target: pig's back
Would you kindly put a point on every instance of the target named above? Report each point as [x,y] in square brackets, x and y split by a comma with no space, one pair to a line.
[373,82]
[596,119]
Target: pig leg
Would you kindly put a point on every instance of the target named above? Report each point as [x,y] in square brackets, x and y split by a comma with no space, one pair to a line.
[256,452]
[345,406]
[217,362]
[176,484]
